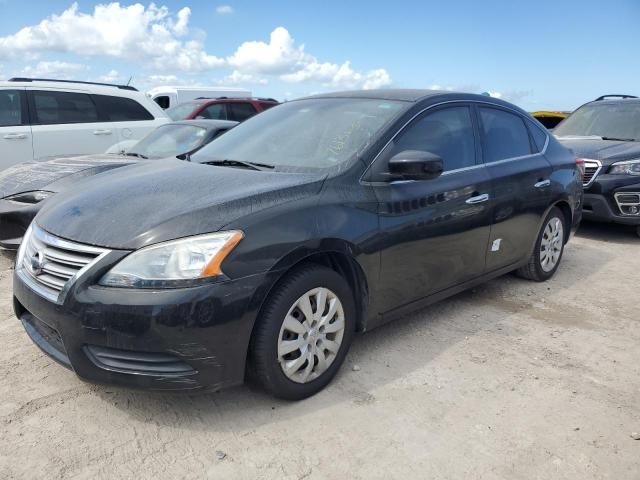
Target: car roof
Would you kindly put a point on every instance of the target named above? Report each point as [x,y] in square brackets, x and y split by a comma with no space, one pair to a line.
[208,124]
[614,101]
[202,100]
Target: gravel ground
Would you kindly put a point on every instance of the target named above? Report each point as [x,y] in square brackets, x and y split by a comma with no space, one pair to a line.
[514,380]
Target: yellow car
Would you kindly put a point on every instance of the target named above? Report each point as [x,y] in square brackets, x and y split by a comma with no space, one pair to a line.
[550,119]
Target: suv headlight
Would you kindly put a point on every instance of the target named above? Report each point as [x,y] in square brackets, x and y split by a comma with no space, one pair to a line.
[628,167]
[179,263]
[33,197]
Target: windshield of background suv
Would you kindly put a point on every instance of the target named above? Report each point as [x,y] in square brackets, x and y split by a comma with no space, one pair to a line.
[610,120]
[169,141]
[305,135]
[181,112]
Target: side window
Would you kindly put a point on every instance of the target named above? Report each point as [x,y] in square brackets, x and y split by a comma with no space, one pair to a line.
[447,132]
[539,136]
[217,111]
[267,106]
[241,111]
[63,107]
[505,135]
[121,109]
[10,108]
[162,101]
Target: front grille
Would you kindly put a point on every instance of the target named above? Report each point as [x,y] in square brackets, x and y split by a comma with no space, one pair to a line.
[591,170]
[140,363]
[50,264]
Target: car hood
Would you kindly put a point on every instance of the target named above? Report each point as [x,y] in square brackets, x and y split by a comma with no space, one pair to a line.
[55,175]
[143,204]
[607,151]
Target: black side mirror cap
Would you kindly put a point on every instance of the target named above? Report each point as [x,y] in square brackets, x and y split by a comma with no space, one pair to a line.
[415,165]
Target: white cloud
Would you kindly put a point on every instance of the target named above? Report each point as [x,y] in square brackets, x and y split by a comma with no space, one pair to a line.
[237,78]
[283,58]
[224,9]
[132,32]
[52,69]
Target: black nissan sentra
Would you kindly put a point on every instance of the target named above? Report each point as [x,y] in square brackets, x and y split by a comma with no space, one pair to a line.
[312,221]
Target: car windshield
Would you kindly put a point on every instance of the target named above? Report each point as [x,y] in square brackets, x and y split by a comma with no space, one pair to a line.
[169,141]
[181,112]
[305,135]
[607,120]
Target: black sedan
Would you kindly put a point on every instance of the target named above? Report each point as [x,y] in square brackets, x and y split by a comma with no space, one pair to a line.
[605,134]
[312,221]
[24,187]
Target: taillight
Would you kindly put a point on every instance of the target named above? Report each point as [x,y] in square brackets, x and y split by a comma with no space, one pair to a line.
[581,167]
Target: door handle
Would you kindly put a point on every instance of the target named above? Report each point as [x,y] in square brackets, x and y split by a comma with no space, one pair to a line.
[478,199]
[102,132]
[15,136]
[542,184]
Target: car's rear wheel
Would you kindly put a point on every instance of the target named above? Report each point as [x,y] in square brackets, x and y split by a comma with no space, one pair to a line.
[547,254]
[303,333]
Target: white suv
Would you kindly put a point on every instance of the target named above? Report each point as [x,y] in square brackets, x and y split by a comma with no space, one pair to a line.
[44,118]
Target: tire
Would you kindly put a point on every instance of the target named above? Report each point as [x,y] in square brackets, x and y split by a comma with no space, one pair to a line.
[313,334]
[551,238]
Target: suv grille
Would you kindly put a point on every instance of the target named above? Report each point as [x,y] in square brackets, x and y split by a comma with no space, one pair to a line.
[591,170]
[49,264]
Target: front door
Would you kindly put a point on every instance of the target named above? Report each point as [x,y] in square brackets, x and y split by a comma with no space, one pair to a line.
[15,132]
[435,232]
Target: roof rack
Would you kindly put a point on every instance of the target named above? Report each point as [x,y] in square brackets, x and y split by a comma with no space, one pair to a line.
[26,79]
[603,97]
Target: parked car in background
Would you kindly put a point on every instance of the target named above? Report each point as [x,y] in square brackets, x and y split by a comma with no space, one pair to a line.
[167,96]
[223,108]
[23,188]
[311,221]
[43,118]
[550,119]
[605,134]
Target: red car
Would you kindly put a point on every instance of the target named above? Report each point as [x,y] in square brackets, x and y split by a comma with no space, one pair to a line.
[222,108]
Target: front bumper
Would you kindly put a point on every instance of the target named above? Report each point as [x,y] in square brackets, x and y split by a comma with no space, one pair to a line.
[14,221]
[600,200]
[182,339]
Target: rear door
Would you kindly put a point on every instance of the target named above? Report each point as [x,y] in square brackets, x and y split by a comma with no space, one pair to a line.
[65,123]
[215,111]
[240,111]
[520,176]
[15,132]
[435,231]
[126,118]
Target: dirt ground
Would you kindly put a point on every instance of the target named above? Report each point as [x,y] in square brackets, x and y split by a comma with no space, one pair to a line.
[514,380]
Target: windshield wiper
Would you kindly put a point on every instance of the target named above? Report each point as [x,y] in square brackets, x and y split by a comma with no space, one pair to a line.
[619,139]
[240,163]
[139,155]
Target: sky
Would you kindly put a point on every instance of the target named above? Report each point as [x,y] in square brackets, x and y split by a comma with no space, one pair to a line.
[538,54]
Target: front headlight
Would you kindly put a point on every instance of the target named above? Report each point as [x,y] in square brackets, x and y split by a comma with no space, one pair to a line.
[629,167]
[179,263]
[33,197]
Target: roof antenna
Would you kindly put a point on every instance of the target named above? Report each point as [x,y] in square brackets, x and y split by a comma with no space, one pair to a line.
[129,82]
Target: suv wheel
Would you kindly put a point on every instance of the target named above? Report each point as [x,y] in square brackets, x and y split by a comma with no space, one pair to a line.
[303,333]
[546,256]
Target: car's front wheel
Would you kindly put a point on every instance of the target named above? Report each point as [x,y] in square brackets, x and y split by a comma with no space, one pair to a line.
[546,256]
[303,333]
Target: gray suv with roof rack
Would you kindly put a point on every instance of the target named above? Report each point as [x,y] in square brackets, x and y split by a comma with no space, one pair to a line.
[605,135]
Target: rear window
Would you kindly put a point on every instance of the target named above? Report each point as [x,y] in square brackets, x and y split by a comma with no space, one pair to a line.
[120,109]
[240,111]
[505,135]
[63,107]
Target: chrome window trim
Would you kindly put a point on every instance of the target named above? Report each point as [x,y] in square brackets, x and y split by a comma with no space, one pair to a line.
[48,239]
[597,172]
[456,170]
[621,204]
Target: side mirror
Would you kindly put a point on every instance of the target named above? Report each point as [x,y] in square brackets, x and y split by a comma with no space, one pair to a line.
[415,165]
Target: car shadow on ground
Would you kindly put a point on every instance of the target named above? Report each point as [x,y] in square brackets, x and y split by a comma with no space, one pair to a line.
[609,232]
[385,355]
